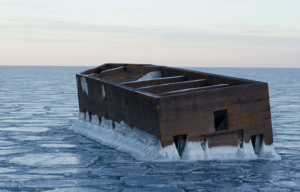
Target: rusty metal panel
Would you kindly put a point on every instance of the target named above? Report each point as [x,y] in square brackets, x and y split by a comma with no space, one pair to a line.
[192,114]
[119,104]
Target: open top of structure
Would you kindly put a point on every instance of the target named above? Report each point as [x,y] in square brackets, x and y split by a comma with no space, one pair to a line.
[166,81]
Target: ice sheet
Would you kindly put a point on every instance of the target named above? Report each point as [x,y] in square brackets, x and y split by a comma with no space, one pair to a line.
[52,103]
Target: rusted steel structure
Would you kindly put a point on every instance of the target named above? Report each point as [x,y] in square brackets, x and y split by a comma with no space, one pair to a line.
[180,105]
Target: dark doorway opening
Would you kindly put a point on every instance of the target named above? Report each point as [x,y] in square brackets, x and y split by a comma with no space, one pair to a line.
[180,142]
[221,120]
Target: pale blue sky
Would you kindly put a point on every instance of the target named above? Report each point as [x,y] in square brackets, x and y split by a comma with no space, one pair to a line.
[204,33]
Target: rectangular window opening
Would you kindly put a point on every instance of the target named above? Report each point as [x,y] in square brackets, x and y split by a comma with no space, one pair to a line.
[221,120]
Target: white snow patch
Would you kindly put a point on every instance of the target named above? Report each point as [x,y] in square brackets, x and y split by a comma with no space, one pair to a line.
[87,117]
[168,153]
[106,123]
[84,86]
[103,92]
[58,145]
[24,129]
[268,152]
[81,116]
[223,152]
[46,159]
[151,75]
[246,151]
[146,147]
[193,151]
[95,120]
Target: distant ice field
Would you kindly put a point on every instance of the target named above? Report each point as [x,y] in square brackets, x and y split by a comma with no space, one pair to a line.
[38,151]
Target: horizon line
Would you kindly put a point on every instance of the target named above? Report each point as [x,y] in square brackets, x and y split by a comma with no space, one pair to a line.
[153,64]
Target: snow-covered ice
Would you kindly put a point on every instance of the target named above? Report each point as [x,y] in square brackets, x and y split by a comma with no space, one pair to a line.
[38,152]
[124,138]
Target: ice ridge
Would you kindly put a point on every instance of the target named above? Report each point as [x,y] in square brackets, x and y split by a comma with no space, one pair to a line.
[146,147]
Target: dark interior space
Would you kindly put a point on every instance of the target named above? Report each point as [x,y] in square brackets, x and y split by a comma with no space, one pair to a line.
[180,142]
[221,120]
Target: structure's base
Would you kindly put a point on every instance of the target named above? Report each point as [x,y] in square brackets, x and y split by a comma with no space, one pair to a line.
[143,146]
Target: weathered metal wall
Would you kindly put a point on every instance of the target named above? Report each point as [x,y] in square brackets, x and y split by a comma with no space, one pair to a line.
[119,104]
[246,102]
[247,106]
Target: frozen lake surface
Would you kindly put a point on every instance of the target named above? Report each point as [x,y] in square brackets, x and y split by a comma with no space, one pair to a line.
[39,153]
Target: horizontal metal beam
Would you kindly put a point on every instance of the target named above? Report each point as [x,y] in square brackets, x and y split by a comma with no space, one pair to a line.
[157,81]
[221,134]
[156,89]
[193,89]
[111,72]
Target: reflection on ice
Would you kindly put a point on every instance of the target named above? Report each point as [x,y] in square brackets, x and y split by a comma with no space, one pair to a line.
[70,182]
[6,143]
[151,180]
[59,171]
[28,177]
[287,183]
[7,170]
[34,138]
[27,129]
[156,189]
[80,189]
[13,151]
[47,159]
[169,168]
[58,145]
[117,171]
